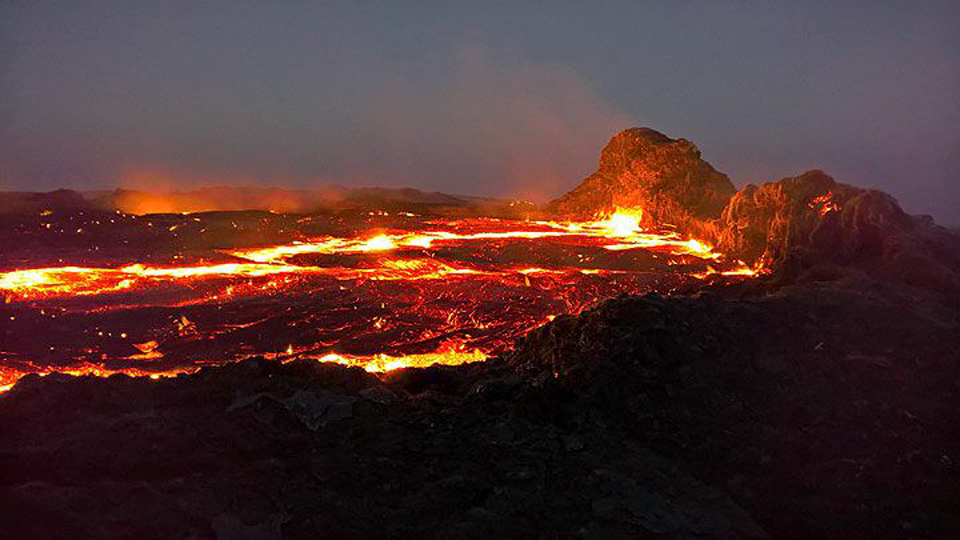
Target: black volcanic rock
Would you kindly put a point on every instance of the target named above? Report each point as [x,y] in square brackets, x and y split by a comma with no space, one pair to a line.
[643,168]
[232,450]
[804,405]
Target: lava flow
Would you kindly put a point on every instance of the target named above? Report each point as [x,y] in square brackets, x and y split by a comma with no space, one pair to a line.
[413,293]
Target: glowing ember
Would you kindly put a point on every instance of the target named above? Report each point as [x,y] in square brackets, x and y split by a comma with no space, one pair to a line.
[441,291]
[824,204]
[742,270]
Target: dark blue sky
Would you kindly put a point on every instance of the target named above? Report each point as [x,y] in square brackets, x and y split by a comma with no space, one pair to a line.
[491,98]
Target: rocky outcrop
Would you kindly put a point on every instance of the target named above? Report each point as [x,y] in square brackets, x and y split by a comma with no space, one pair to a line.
[805,226]
[643,168]
[812,223]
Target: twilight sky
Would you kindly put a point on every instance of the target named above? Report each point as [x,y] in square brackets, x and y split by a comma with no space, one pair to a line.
[489,98]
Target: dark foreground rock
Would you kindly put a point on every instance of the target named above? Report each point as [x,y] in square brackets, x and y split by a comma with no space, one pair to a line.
[824,409]
[818,409]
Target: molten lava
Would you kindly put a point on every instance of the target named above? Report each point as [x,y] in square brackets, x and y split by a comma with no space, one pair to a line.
[824,204]
[429,291]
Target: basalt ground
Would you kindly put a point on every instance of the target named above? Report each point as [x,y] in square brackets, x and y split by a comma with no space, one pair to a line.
[735,412]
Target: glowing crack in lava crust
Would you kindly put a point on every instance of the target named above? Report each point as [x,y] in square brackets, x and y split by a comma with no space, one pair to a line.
[419,292]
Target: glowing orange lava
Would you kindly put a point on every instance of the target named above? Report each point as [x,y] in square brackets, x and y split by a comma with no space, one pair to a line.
[9,376]
[491,298]
[450,354]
